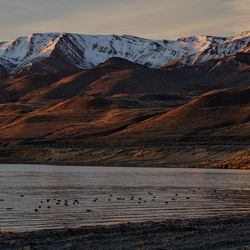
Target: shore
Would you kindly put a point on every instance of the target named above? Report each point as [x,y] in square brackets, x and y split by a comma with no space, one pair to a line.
[209,233]
[176,156]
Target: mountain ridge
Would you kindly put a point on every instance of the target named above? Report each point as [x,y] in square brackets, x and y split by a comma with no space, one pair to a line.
[78,51]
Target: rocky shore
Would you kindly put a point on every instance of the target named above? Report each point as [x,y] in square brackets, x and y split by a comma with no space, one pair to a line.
[209,233]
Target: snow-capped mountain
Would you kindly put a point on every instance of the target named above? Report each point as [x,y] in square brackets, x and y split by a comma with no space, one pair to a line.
[86,51]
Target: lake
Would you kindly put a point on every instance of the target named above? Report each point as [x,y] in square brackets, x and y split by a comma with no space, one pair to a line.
[35,197]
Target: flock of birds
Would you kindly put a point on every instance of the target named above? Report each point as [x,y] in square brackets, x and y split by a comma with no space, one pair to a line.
[152,197]
[47,203]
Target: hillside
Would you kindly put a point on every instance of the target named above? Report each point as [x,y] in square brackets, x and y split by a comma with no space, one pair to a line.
[123,100]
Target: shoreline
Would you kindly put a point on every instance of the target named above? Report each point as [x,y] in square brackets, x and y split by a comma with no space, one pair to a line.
[156,157]
[227,232]
[71,164]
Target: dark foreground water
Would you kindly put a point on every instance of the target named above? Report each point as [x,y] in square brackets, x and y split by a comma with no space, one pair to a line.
[37,197]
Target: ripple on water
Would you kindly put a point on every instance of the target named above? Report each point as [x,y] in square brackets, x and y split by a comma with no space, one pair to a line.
[38,197]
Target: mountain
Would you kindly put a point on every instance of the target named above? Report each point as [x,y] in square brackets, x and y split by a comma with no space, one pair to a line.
[53,52]
[108,100]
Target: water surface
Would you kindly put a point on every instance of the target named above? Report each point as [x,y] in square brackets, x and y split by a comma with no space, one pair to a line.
[67,196]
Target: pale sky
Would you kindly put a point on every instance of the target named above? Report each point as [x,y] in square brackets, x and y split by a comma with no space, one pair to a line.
[166,19]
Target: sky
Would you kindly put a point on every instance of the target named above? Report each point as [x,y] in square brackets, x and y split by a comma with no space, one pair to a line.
[158,19]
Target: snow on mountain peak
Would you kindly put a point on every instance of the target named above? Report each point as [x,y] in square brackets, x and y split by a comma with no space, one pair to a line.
[86,51]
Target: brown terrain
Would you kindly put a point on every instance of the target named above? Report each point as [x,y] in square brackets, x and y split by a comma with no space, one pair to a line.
[122,113]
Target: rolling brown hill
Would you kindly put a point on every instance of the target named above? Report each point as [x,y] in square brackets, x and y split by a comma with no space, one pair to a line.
[78,117]
[122,112]
[219,113]
[229,72]
[118,76]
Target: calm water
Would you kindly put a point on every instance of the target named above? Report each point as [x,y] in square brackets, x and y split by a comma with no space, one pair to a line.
[113,195]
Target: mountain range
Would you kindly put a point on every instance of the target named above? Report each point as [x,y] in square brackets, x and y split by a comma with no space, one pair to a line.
[123,100]
[75,51]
